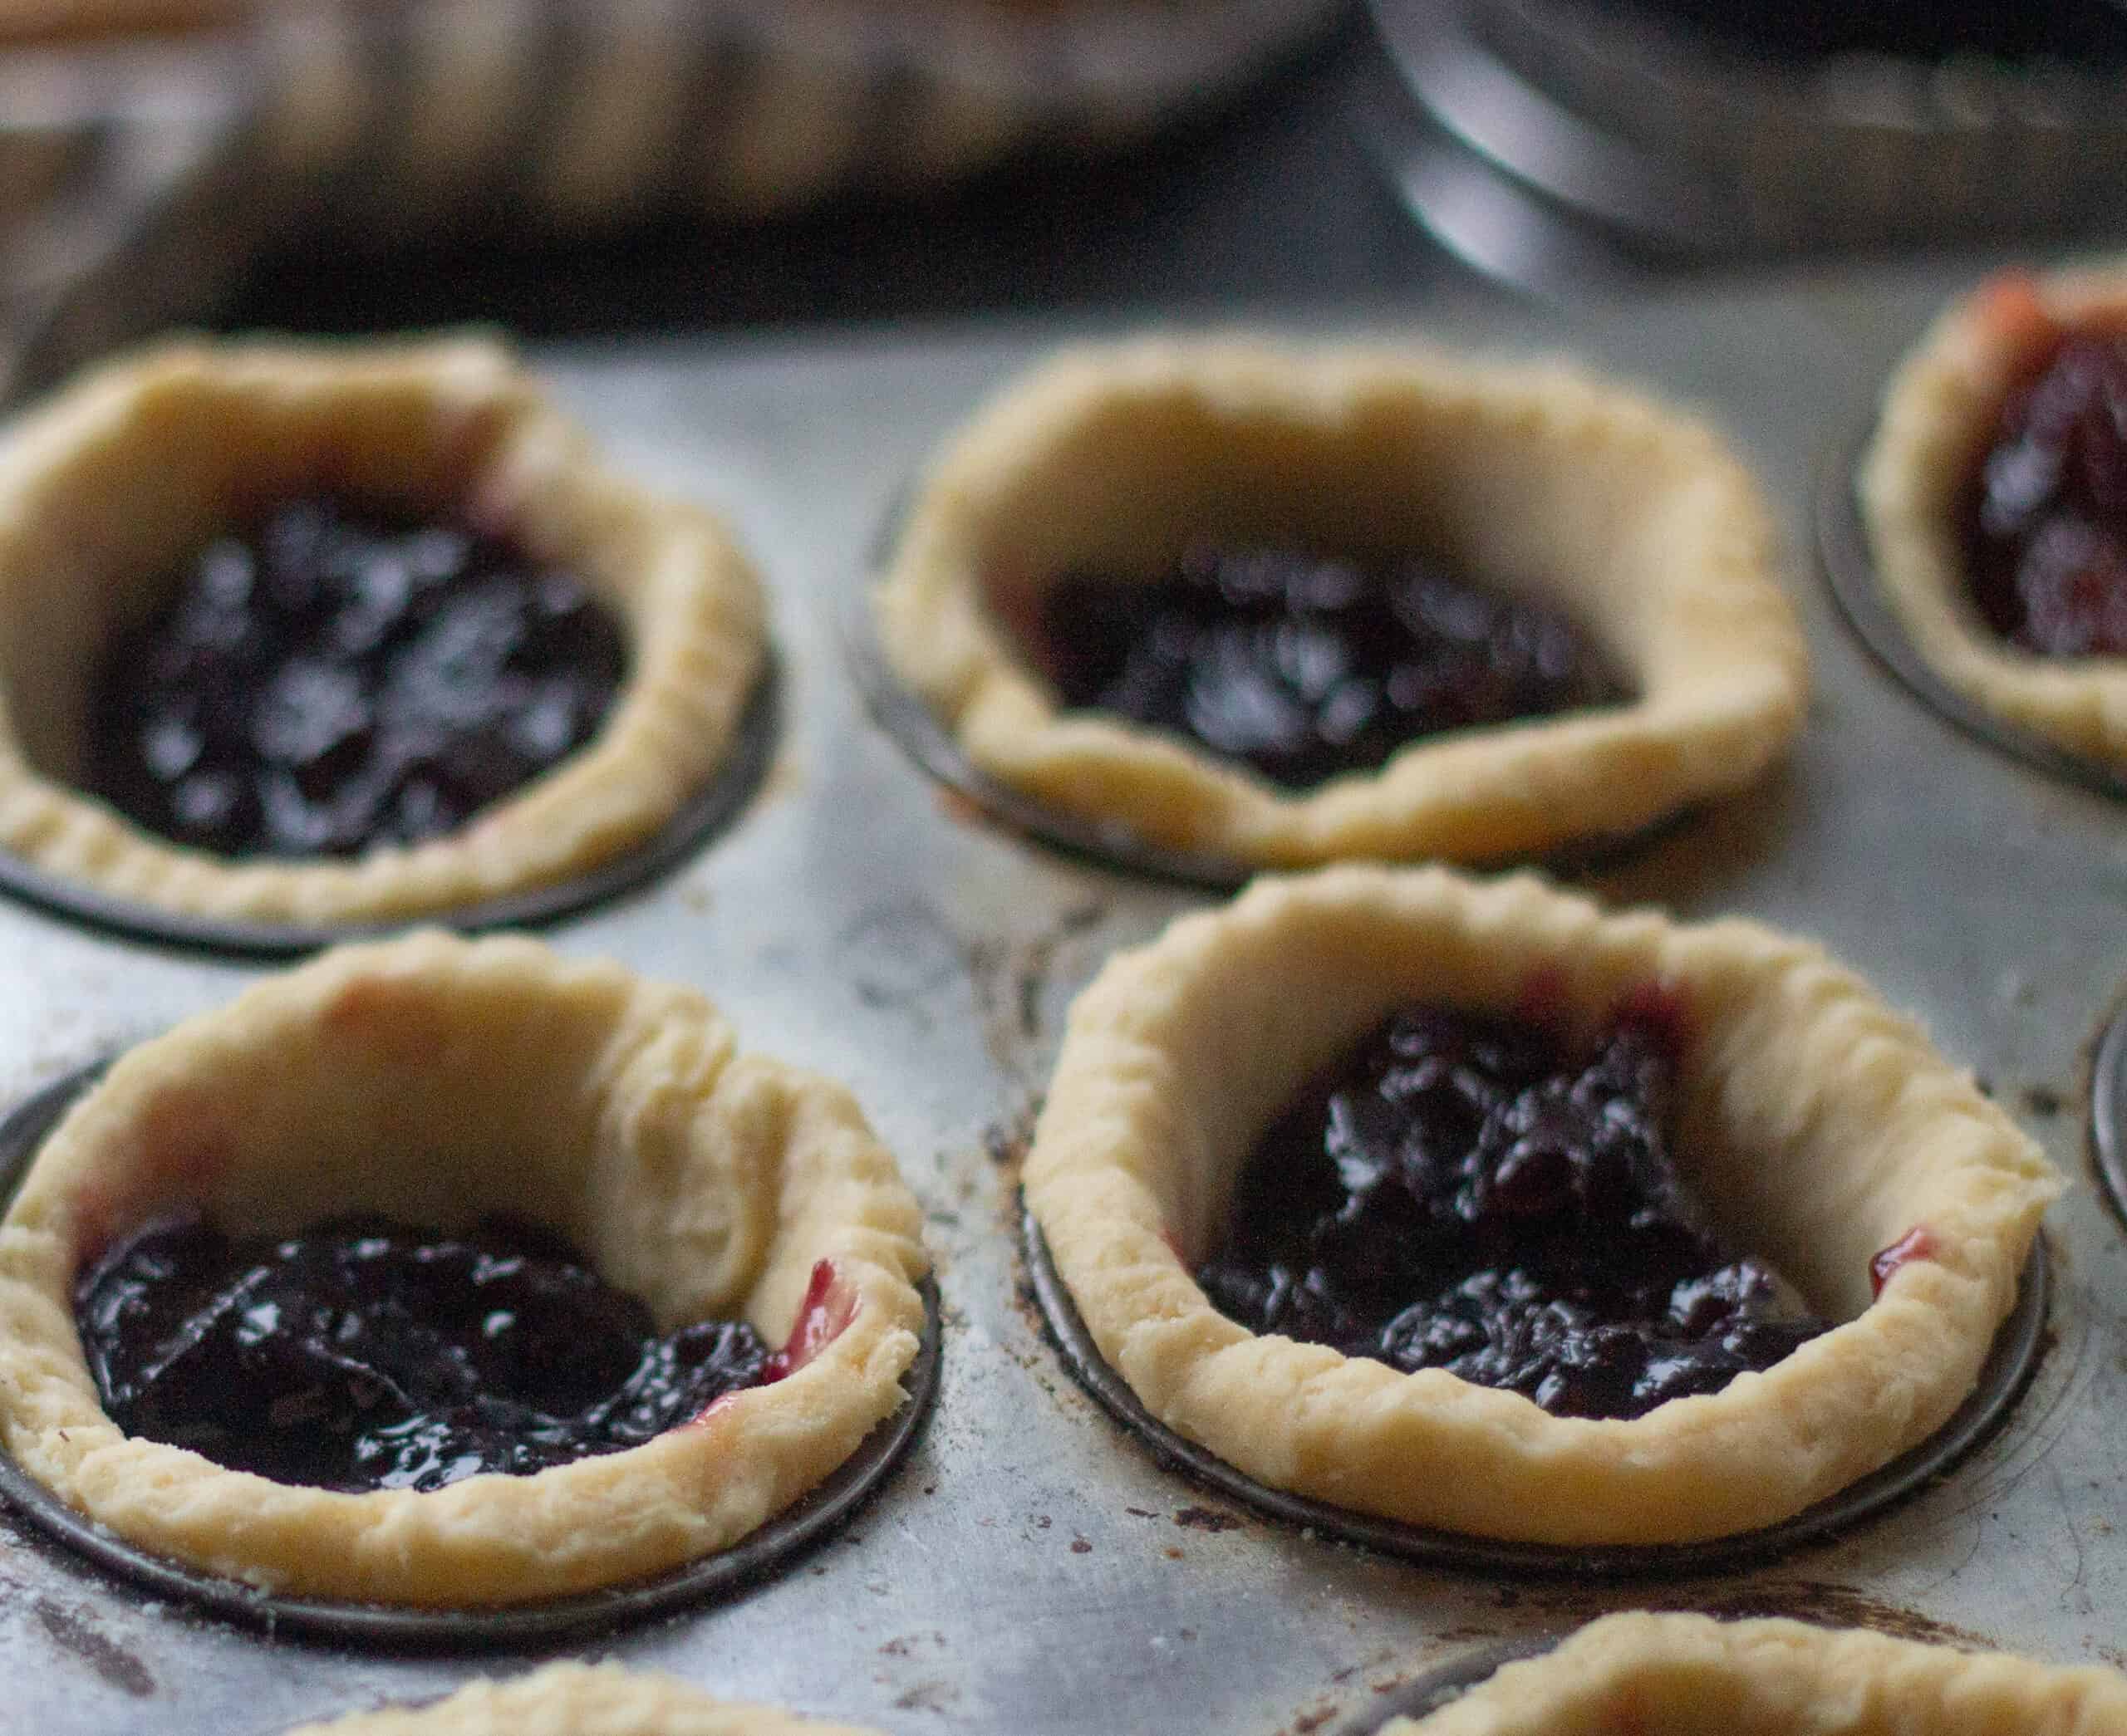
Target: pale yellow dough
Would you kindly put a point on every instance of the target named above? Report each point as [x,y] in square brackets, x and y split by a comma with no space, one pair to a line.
[1817,1127]
[578,1699]
[106,488]
[1689,1676]
[1937,421]
[434,1080]
[1533,477]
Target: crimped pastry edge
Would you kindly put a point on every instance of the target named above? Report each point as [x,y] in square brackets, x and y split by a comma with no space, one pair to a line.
[704,1181]
[1938,410]
[1632,517]
[1180,1052]
[82,487]
[570,1698]
[1774,1677]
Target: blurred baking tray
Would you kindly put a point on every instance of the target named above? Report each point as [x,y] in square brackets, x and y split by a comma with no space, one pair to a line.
[1666,139]
[1029,1566]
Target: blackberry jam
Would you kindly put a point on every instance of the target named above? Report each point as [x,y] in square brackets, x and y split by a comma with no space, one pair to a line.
[335,676]
[1469,1193]
[1306,667]
[364,1355]
[2045,514]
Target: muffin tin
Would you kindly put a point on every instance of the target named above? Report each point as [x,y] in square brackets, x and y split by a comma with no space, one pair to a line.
[1028,1565]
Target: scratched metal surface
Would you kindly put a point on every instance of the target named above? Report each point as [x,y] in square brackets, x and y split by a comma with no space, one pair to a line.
[1030,1569]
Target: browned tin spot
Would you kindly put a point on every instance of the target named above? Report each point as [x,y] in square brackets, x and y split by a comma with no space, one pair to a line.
[1835,1605]
[1207,1518]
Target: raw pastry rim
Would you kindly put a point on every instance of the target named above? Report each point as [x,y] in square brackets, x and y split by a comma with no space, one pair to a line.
[1620,1656]
[625,1702]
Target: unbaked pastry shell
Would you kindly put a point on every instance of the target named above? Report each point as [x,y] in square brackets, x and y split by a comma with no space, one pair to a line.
[1817,1127]
[434,1080]
[1938,420]
[1633,520]
[1689,1676]
[107,487]
[576,1699]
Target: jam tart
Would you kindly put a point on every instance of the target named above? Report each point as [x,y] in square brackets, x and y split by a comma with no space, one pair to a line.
[1671,1675]
[436,1082]
[1551,500]
[1817,1129]
[400,557]
[1992,494]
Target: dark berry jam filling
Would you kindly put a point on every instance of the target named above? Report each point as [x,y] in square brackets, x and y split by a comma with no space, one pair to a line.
[334,676]
[1306,667]
[1469,1193]
[363,1354]
[2045,514]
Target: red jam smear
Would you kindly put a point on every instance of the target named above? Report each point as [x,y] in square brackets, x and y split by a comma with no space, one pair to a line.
[2043,516]
[828,1307]
[822,1316]
[1915,1244]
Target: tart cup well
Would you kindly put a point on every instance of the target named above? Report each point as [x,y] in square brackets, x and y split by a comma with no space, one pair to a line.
[1533,478]
[1936,419]
[1817,1127]
[1685,1674]
[434,1080]
[572,1700]
[106,488]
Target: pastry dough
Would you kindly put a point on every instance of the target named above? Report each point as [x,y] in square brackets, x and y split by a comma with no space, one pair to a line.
[1634,522]
[1689,1676]
[434,1080]
[578,1699]
[1817,1127]
[1938,420]
[107,486]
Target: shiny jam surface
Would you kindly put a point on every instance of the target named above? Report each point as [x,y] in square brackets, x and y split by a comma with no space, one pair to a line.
[364,1355]
[333,677]
[2045,514]
[1471,1193]
[1304,666]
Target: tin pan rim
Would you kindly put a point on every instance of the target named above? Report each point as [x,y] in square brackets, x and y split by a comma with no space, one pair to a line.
[2012,1361]
[727,1573]
[1433,1688]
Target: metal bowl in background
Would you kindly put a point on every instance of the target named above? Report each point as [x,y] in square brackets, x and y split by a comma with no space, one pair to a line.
[1666,141]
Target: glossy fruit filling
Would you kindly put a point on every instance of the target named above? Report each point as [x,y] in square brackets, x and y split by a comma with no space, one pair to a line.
[364,1355]
[1479,1194]
[1306,667]
[335,676]
[2044,513]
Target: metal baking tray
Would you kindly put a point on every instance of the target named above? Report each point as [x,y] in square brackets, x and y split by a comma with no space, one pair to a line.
[1031,1567]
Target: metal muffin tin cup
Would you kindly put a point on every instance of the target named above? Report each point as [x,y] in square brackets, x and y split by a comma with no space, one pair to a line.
[727,1573]
[705,814]
[2108,1124]
[1849,570]
[2011,1363]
